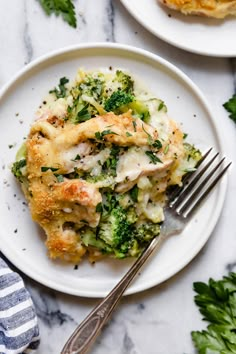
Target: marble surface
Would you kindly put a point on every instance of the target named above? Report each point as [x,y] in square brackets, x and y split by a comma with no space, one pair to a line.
[159,320]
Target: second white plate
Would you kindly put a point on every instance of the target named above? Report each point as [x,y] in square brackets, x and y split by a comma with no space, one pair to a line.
[22,241]
[196,34]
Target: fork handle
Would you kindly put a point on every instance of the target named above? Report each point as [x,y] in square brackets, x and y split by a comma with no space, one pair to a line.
[86,333]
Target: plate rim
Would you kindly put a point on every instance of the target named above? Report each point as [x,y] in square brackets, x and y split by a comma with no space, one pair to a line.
[213,54]
[222,188]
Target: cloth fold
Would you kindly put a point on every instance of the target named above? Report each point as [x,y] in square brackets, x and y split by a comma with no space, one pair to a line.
[19,331]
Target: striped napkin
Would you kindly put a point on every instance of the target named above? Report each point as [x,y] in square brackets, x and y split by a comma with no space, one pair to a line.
[19,332]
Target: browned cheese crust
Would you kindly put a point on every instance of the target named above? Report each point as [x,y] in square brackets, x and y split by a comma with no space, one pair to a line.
[210,8]
[56,205]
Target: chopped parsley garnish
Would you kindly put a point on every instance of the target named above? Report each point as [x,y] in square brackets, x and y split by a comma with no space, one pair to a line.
[16,168]
[60,178]
[134,193]
[185,135]
[100,135]
[99,208]
[161,105]
[77,157]
[64,8]
[45,168]
[154,159]
[157,144]
[166,149]
[83,114]
[134,125]
[230,106]
[149,137]
[60,92]
[111,163]
[84,221]
[128,134]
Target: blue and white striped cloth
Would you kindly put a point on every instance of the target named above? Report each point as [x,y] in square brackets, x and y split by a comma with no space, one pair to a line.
[19,332]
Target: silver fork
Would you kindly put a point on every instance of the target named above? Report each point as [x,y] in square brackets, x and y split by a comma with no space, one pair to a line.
[182,203]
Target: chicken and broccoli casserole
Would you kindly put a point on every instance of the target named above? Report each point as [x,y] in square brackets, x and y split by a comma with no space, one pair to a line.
[209,8]
[97,163]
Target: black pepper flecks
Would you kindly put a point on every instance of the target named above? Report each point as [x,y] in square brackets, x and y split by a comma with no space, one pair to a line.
[15,231]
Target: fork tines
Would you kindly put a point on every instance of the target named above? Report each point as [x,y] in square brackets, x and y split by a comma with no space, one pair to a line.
[198,184]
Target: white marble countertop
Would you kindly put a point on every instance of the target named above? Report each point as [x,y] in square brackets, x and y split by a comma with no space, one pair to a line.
[159,320]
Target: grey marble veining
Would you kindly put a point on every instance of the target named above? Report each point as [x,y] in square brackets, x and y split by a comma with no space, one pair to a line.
[159,320]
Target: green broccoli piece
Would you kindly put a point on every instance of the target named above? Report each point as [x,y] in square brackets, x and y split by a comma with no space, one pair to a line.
[114,229]
[17,169]
[131,215]
[117,100]
[88,237]
[146,232]
[127,83]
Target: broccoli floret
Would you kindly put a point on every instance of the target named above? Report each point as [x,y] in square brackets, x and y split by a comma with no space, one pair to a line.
[17,169]
[88,237]
[131,215]
[146,232]
[114,229]
[192,153]
[117,100]
[127,83]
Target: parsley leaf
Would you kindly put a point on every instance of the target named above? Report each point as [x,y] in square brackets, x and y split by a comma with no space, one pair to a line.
[99,208]
[128,134]
[65,8]
[83,114]
[16,168]
[230,106]
[157,144]
[100,135]
[217,303]
[60,92]
[60,178]
[154,159]
[134,193]
[77,158]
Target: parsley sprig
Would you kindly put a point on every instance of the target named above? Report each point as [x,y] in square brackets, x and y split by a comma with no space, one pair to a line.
[64,8]
[230,106]
[154,159]
[217,303]
[60,92]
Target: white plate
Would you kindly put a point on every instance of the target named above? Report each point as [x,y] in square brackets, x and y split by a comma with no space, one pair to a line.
[22,241]
[196,34]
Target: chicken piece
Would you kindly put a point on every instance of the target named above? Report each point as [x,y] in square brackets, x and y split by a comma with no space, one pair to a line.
[124,131]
